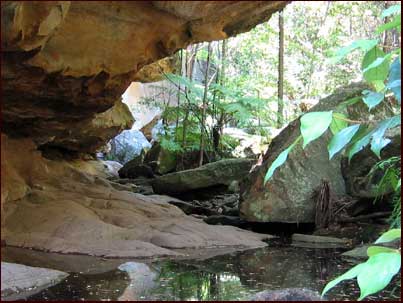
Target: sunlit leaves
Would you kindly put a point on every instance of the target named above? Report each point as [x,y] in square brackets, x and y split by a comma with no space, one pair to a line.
[341,139]
[378,73]
[314,124]
[389,236]
[373,275]
[372,99]
[281,158]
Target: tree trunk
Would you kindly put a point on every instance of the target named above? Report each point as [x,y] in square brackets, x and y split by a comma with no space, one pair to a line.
[179,96]
[204,105]
[280,115]
[189,64]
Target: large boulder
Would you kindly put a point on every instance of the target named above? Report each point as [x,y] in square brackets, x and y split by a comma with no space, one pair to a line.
[287,197]
[220,173]
[128,145]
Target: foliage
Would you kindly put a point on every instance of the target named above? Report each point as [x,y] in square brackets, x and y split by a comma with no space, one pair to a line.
[376,273]
[390,182]
[314,124]
[382,265]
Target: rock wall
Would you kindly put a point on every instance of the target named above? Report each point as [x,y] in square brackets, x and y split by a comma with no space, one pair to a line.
[65,66]
[65,62]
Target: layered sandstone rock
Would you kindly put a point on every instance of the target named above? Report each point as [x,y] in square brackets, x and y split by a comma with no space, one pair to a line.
[66,207]
[65,64]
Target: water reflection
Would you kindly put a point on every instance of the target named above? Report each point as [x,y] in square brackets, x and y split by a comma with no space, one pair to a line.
[233,276]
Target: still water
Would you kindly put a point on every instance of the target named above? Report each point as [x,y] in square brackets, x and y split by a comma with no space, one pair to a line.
[234,276]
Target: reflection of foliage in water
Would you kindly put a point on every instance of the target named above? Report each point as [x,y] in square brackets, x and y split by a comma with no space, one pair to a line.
[238,276]
[233,276]
[187,282]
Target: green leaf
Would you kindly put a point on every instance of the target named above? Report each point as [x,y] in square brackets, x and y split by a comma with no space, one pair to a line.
[359,145]
[374,250]
[391,10]
[314,124]
[372,99]
[341,139]
[379,85]
[378,142]
[281,158]
[378,73]
[377,62]
[395,23]
[389,236]
[373,275]
[338,124]
[350,274]
[365,45]
[349,102]
[378,272]
[394,81]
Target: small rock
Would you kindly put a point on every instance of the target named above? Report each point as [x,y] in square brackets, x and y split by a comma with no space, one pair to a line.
[20,281]
[310,241]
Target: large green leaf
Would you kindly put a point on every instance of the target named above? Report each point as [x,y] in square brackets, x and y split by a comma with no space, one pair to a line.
[350,274]
[378,141]
[341,139]
[377,62]
[372,99]
[389,236]
[378,73]
[338,124]
[314,124]
[373,275]
[378,272]
[281,158]
[374,250]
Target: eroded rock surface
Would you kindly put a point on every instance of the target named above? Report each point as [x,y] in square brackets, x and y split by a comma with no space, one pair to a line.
[66,64]
[65,207]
